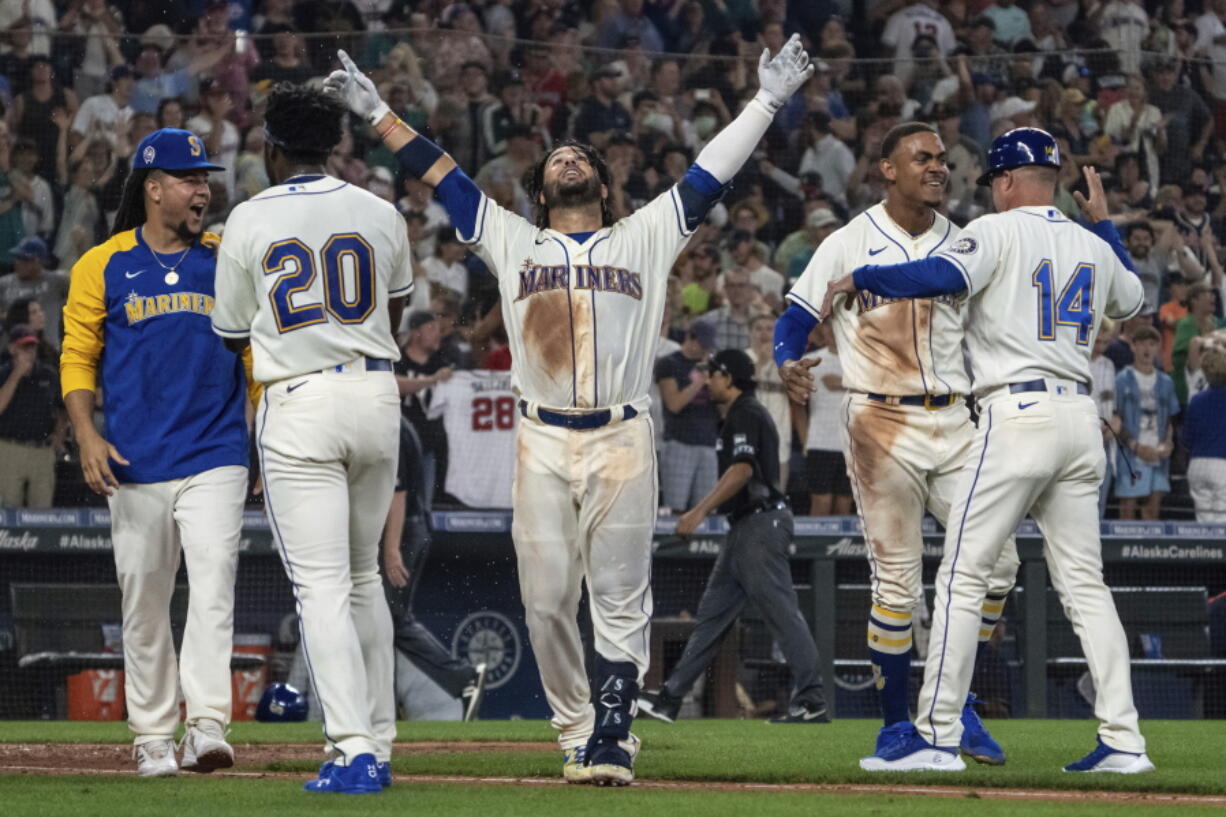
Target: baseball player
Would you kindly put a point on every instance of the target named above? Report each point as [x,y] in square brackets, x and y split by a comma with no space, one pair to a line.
[582,302]
[173,464]
[753,564]
[905,429]
[313,273]
[1037,286]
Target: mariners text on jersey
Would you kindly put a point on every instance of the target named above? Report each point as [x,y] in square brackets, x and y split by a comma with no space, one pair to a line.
[172,394]
[534,278]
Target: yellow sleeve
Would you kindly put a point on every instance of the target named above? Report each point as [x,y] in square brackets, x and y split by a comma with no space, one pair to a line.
[255,389]
[84,318]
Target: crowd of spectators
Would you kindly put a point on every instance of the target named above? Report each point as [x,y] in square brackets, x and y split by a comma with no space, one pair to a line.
[1137,89]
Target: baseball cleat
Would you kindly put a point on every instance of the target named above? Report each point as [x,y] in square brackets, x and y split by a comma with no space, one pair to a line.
[888,735]
[977,744]
[156,759]
[361,776]
[205,748]
[908,752]
[1106,759]
[805,713]
[659,705]
[474,692]
[609,764]
[385,773]
[574,766]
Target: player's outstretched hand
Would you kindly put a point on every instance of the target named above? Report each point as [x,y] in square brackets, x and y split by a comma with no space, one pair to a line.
[797,378]
[843,286]
[96,454]
[781,76]
[1095,207]
[356,90]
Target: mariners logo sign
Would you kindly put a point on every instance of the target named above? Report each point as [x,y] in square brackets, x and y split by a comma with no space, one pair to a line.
[490,638]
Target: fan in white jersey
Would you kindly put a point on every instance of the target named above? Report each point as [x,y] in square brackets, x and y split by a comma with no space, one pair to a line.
[582,301]
[1037,287]
[480,414]
[905,429]
[314,271]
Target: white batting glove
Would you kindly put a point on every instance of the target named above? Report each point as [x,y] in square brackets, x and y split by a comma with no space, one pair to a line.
[356,90]
[780,77]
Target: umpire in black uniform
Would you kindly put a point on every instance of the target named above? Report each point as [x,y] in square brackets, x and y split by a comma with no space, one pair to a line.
[753,563]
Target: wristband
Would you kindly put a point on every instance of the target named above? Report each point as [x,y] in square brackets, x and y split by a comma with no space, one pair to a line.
[383,134]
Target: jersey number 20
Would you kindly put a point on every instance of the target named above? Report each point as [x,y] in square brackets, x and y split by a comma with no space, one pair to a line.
[347,298]
[1074,306]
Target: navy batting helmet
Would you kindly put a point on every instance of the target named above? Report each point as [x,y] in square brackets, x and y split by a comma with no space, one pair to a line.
[281,702]
[1020,147]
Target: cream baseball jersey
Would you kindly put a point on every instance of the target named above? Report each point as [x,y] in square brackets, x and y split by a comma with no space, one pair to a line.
[896,346]
[1039,295]
[309,289]
[582,317]
[480,414]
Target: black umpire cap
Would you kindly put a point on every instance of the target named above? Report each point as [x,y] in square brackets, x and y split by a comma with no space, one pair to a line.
[736,365]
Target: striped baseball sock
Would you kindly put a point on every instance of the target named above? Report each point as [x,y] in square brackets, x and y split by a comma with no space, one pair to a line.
[990,613]
[889,647]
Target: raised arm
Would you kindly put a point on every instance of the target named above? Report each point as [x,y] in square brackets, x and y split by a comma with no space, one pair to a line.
[416,154]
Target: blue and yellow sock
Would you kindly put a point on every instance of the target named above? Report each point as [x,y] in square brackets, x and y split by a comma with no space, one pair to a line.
[993,607]
[889,647]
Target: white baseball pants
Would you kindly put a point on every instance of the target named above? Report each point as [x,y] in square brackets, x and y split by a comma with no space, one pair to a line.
[200,516]
[328,446]
[1207,484]
[1036,453]
[584,510]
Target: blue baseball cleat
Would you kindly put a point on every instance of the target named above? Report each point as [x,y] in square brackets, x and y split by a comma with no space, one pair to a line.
[905,751]
[1106,759]
[361,776]
[385,774]
[977,744]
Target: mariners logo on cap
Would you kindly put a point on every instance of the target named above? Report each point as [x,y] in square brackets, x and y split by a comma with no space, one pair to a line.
[149,155]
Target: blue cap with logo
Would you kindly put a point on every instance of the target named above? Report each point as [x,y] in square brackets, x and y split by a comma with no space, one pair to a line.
[1018,148]
[172,149]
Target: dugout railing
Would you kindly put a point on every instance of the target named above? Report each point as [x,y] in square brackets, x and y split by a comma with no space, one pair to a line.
[1164,576]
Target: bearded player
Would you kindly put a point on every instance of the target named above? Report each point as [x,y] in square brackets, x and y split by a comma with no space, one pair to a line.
[906,430]
[582,300]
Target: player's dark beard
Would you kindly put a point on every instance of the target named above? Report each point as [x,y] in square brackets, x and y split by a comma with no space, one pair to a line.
[186,234]
[561,194]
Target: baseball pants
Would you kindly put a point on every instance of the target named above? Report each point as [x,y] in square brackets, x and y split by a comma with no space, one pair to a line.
[752,566]
[584,511]
[1207,484]
[328,455]
[1045,460]
[200,517]
[904,460]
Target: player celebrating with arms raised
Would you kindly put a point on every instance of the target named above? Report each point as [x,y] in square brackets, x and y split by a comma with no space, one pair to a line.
[1037,286]
[174,463]
[582,300]
[906,431]
[314,272]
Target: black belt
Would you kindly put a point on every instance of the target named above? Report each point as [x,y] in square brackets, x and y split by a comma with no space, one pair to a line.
[757,507]
[577,422]
[1041,385]
[928,401]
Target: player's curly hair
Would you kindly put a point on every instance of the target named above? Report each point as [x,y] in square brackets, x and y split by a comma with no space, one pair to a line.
[303,122]
[534,180]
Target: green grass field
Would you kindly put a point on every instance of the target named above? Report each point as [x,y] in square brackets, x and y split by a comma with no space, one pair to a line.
[1188,756]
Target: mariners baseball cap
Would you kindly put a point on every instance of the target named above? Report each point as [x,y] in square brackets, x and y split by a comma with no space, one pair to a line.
[30,247]
[172,149]
[736,364]
[704,333]
[23,335]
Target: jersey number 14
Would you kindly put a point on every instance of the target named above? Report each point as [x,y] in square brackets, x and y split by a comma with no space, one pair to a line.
[347,298]
[1074,306]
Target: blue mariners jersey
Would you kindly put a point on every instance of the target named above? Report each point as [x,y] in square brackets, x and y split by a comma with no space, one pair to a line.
[172,393]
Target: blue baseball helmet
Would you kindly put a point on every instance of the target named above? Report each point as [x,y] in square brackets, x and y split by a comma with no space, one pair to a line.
[1020,147]
[281,702]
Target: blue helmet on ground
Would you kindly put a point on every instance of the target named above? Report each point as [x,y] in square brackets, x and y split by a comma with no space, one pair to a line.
[1018,148]
[281,702]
